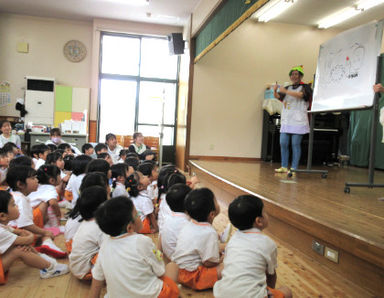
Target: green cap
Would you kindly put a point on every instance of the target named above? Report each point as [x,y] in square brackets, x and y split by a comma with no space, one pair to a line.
[297,68]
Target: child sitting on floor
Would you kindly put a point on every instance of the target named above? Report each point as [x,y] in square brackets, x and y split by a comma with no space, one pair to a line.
[150,169]
[45,197]
[250,257]
[137,184]
[197,249]
[87,149]
[127,261]
[14,244]
[74,221]
[119,179]
[88,238]
[175,222]
[79,165]
[22,180]
[39,153]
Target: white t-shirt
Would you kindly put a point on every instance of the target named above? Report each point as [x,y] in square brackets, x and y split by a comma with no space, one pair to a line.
[131,266]
[12,138]
[85,245]
[39,162]
[44,193]
[170,231]
[197,243]
[7,238]
[143,204]
[164,211]
[152,190]
[26,216]
[71,227]
[74,186]
[249,254]
[115,153]
[120,190]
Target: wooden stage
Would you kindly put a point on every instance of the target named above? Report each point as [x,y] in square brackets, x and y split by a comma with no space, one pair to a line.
[306,207]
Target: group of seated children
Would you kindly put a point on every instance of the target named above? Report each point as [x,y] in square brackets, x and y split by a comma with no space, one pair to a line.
[113,203]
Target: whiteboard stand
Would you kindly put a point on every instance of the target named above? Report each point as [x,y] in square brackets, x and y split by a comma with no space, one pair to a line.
[324,173]
[372,150]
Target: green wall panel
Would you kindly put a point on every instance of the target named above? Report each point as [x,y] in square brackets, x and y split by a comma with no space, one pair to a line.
[230,11]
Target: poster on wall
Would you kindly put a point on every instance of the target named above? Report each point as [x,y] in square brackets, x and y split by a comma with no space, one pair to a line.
[5,93]
[346,69]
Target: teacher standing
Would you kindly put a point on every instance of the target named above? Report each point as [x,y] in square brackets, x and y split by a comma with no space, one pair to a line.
[294,118]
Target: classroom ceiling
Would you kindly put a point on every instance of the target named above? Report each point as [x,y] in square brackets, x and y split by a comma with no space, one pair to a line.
[170,12]
[176,12]
[310,12]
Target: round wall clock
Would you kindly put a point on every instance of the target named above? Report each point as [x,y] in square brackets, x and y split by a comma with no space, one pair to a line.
[75,51]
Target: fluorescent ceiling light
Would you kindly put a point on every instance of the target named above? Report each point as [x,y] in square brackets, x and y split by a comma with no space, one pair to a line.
[348,12]
[367,4]
[272,9]
[338,17]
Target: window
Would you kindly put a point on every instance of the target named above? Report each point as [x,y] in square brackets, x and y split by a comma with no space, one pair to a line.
[137,75]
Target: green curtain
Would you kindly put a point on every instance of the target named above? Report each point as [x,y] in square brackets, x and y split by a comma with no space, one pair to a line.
[360,134]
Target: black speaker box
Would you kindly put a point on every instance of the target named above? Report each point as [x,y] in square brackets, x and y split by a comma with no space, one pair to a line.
[176,44]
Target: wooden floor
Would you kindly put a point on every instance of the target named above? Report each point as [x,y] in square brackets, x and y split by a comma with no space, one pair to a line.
[360,214]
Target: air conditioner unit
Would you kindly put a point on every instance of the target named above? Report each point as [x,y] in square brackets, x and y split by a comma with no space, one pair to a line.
[40,100]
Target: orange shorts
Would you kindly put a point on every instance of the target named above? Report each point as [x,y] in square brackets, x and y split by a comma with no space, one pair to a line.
[170,289]
[146,229]
[38,218]
[88,276]
[68,245]
[3,275]
[68,195]
[276,293]
[200,279]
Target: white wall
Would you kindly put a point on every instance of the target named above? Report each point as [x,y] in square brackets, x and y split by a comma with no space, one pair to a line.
[229,84]
[46,38]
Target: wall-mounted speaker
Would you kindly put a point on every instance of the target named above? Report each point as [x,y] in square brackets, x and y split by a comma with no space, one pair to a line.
[176,44]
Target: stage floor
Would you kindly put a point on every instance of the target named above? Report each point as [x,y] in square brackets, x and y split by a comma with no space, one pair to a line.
[359,214]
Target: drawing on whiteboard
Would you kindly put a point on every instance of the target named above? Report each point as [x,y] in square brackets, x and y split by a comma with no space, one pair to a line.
[344,64]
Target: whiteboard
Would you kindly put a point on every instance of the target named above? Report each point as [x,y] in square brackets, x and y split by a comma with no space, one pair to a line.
[346,69]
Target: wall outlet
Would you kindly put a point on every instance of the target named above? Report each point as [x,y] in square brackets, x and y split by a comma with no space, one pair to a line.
[331,254]
[211,147]
[318,247]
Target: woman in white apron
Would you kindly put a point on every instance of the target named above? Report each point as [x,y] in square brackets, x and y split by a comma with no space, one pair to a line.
[294,118]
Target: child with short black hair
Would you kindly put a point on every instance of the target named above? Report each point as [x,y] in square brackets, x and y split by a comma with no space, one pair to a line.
[122,156]
[52,147]
[137,184]
[88,238]
[75,219]
[113,147]
[39,153]
[174,223]
[250,257]
[119,179]
[99,165]
[197,249]
[106,156]
[150,169]
[127,261]
[100,147]
[132,162]
[67,149]
[11,239]
[22,160]
[22,180]
[11,150]
[4,165]
[45,197]
[88,149]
